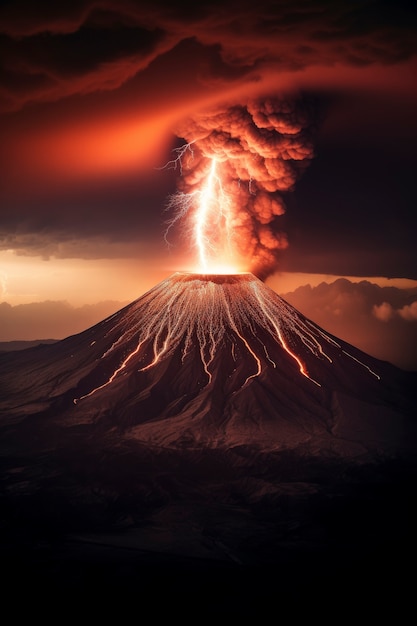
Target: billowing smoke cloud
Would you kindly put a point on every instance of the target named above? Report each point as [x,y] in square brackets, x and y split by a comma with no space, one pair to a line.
[381,321]
[262,147]
[91,90]
[386,312]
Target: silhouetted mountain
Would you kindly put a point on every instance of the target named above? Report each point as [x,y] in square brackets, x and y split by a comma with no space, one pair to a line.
[11,346]
[208,426]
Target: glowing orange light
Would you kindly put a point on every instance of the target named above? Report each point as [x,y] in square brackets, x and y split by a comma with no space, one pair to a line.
[209,213]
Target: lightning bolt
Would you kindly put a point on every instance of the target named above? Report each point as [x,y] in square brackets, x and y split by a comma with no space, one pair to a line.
[201,218]
[210,225]
[181,152]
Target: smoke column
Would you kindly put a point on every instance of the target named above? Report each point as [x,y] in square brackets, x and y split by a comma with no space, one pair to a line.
[260,150]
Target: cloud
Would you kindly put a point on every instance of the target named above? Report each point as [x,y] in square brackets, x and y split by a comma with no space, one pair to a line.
[381,321]
[88,57]
[52,52]
[409,312]
[61,244]
[115,217]
[92,89]
[386,312]
[259,150]
[50,319]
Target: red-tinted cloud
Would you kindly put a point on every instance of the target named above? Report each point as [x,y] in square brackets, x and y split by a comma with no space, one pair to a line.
[92,90]
[55,50]
[382,321]
[50,320]
[260,149]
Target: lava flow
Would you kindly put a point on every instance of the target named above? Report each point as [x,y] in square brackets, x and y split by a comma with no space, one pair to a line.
[215,312]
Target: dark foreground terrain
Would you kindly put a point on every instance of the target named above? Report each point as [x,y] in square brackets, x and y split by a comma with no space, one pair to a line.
[100,521]
[205,452]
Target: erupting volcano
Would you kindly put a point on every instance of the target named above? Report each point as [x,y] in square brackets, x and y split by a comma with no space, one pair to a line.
[214,360]
[209,419]
[206,425]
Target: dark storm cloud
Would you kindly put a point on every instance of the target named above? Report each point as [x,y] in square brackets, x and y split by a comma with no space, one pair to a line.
[115,218]
[100,52]
[353,212]
[65,64]
[52,50]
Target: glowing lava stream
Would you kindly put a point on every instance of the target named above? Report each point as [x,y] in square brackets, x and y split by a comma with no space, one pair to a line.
[204,311]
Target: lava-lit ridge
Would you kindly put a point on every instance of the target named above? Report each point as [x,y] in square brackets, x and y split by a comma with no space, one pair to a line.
[210,311]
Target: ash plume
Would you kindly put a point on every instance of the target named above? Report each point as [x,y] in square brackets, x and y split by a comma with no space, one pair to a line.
[262,147]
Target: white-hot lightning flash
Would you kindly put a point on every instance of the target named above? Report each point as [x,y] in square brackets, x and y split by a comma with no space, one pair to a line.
[206,218]
[202,217]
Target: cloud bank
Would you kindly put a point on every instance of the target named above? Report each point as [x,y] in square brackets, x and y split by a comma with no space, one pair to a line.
[381,321]
[50,320]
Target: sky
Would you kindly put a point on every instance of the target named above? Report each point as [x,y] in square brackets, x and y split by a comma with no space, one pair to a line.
[96,96]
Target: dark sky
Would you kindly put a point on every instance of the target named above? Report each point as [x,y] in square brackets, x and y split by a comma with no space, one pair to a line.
[92,92]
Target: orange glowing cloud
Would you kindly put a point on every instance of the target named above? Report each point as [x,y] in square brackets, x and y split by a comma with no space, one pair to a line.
[97,89]
[236,163]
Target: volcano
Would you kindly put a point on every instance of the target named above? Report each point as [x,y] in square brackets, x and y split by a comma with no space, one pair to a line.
[206,422]
[218,361]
